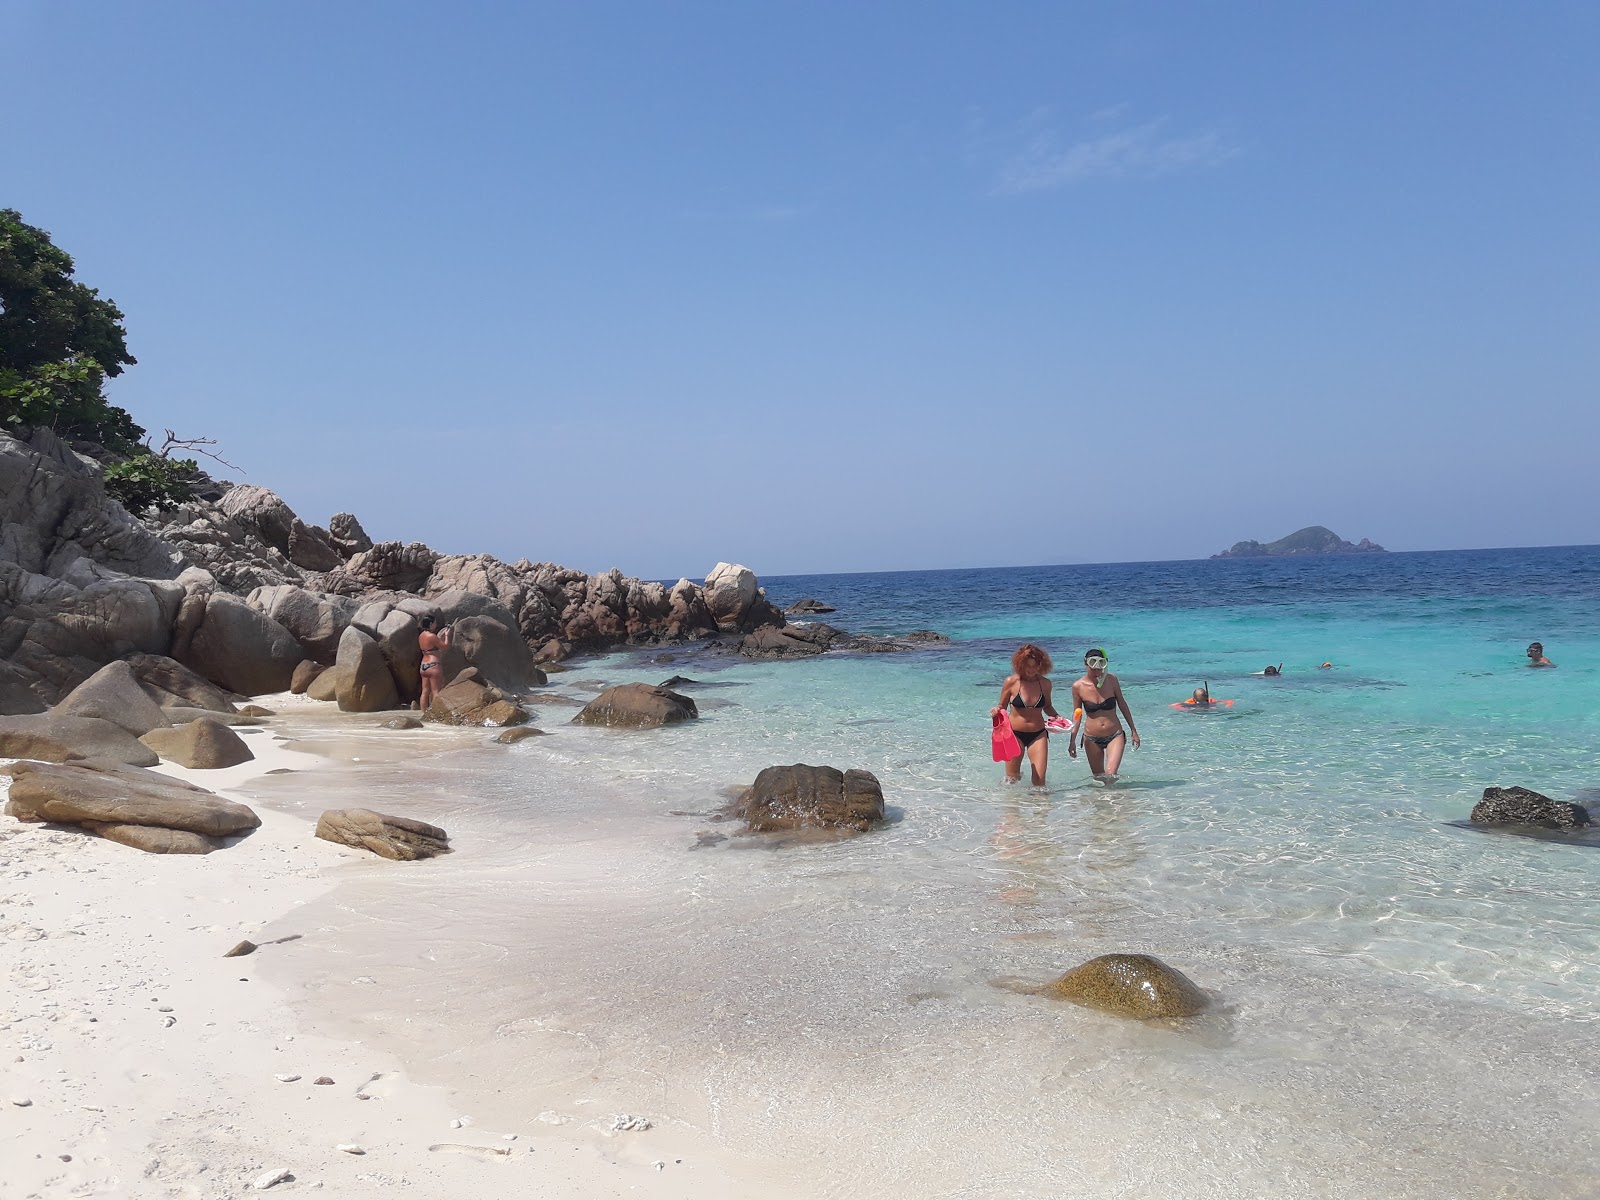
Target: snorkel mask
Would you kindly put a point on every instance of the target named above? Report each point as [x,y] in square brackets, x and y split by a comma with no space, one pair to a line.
[1095,659]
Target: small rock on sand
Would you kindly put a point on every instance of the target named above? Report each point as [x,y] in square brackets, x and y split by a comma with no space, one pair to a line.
[243,948]
[22,1102]
[350,1148]
[264,1181]
[286,1078]
[322,1081]
[626,1123]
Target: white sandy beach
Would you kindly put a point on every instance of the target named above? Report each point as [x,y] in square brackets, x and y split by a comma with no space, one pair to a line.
[138,1061]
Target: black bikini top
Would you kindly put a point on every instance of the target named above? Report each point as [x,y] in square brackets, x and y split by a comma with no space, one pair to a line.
[1101,707]
[1018,702]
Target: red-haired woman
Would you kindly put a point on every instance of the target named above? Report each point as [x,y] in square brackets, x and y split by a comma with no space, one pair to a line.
[1027,693]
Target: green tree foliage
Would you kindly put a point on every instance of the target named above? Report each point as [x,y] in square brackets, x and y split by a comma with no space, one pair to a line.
[148,480]
[59,341]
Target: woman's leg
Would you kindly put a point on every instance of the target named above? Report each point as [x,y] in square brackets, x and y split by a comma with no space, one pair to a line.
[1039,759]
[1113,756]
[1014,768]
[1095,753]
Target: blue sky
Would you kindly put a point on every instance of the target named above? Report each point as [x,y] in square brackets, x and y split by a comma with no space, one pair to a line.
[844,287]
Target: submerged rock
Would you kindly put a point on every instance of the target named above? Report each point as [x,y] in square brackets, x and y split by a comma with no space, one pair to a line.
[807,607]
[806,797]
[1523,806]
[509,737]
[397,838]
[1140,986]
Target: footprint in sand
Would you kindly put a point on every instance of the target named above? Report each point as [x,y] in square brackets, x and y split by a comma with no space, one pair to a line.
[474,1151]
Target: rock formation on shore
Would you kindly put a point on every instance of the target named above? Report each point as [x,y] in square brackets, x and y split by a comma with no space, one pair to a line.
[242,596]
[1313,539]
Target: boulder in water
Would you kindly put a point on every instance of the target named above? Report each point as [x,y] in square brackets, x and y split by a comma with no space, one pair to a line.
[637,706]
[808,607]
[806,797]
[1524,806]
[1140,986]
[397,838]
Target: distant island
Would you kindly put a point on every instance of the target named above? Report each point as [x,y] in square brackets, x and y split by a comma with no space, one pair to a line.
[1313,539]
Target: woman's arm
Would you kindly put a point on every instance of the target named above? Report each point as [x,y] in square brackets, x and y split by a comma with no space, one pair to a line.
[1122,704]
[1049,699]
[1005,694]
[1072,738]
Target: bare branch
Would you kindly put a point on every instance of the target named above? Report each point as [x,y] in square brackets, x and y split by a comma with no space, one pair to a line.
[194,446]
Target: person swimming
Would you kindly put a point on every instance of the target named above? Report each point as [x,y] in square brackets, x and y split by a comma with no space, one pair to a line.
[1201,696]
[1277,670]
[1099,694]
[1536,656]
[1027,694]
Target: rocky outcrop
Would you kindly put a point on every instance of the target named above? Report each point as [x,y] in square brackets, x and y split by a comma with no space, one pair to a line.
[736,601]
[364,683]
[265,514]
[498,652]
[237,557]
[113,694]
[808,607]
[346,535]
[105,799]
[387,567]
[637,706]
[1140,986]
[805,797]
[790,641]
[54,737]
[397,838]
[204,744]
[16,697]
[1520,806]
[467,700]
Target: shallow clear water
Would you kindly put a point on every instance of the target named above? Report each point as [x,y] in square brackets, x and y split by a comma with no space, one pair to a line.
[1404,1007]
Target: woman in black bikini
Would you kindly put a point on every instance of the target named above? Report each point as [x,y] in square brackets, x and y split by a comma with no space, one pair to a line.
[1028,694]
[1100,696]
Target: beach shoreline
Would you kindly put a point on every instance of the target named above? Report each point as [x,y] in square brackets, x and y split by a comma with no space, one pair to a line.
[151,1065]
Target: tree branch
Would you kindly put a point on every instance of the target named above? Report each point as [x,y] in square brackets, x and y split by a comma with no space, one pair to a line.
[193,445]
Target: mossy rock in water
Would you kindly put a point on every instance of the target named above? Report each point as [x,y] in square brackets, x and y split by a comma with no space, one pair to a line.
[1130,985]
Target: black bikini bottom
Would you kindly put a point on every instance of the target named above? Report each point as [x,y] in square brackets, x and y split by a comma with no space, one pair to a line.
[1027,738]
[1102,742]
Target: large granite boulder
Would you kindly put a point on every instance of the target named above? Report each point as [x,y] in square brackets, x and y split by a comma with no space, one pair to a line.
[482,575]
[730,593]
[390,566]
[316,620]
[53,737]
[230,551]
[398,838]
[265,513]
[498,652]
[203,744]
[172,685]
[104,798]
[805,797]
[637,706]
[1523,806]
[466,700]
[113,694]
[64,633]
[1131,985]
[396,635]
[243,650]
[364,683]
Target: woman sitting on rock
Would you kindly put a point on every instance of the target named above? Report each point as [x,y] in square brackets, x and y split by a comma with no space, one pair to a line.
[1027,691]
[433,648]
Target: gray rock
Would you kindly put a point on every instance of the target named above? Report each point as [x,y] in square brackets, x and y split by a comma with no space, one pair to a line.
[730,592]
[498,652]
[113,694]
[237,720]
[465,700]
[637,706]
[364,683]
[316,620]
[791,641]
[304,675]
[510,737]
[51,737]
[401,723]
[16,697]
[172,685]
[810,606]
[266,514]
[398,838]
[346,535]
[325,687]
[243,650]
[396,635]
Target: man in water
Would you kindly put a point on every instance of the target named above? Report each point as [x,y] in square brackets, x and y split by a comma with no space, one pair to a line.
[1277,670]
[1536,656]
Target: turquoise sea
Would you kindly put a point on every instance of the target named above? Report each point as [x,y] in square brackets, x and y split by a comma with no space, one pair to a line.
[1404,1007]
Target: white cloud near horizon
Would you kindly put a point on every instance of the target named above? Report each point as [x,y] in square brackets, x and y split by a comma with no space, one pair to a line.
[1142,151]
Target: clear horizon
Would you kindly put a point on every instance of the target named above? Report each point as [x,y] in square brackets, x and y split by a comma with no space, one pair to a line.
[828,290]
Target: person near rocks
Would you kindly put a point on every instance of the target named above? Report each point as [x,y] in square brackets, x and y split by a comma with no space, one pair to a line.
[433,648]
[1026,692]
[1099,695]
[1536,656]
